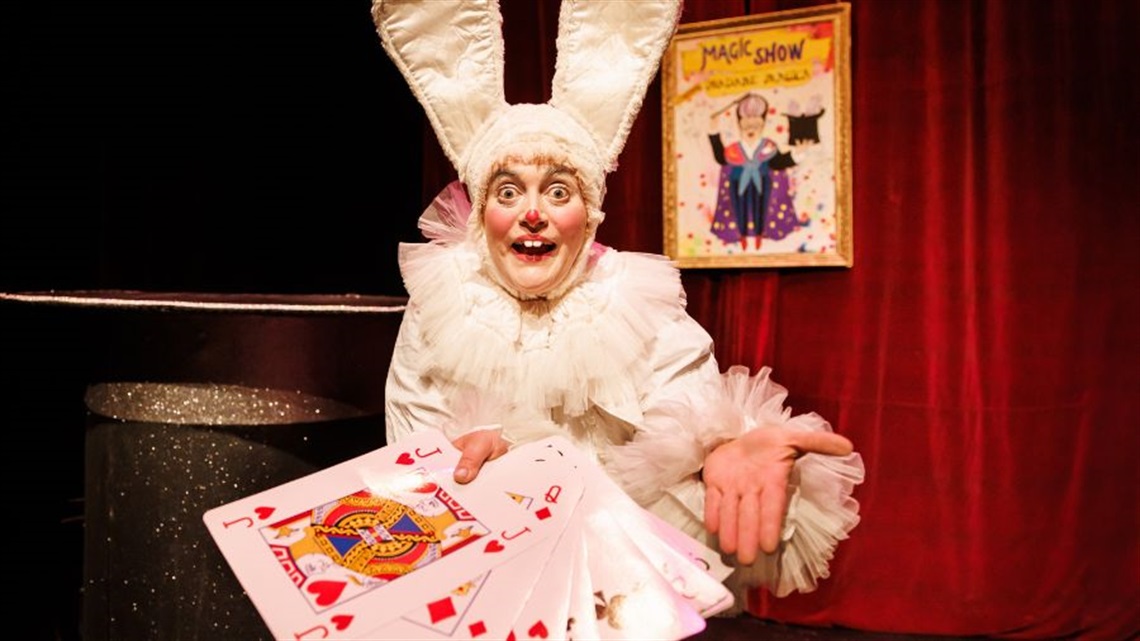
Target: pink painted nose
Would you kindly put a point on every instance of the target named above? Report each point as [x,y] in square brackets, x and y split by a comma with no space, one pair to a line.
[532,216]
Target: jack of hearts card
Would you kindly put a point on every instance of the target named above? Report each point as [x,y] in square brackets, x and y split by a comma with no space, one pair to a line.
[342,551]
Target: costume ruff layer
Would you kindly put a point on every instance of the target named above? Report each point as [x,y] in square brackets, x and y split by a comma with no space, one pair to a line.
[587,348]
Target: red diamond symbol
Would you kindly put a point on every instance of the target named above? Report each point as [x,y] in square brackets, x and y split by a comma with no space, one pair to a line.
[440,610]
[543,514]
[477,629]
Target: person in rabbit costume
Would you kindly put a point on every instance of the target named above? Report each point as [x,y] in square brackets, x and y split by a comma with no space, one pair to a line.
[519,325]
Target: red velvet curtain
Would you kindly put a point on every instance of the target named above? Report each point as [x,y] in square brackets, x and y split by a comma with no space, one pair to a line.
[984,351]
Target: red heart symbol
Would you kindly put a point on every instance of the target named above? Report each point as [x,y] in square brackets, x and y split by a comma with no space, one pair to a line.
[405,459]
[494,546]
[426,488]
[341,621]
[537,630]
[511,636]
[264,512]
[327,591]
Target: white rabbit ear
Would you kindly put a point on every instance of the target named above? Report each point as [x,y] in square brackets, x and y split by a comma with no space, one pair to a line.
[451,54]
[608,53]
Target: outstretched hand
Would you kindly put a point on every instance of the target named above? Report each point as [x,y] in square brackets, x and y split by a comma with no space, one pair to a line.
[746,486]
[477,448]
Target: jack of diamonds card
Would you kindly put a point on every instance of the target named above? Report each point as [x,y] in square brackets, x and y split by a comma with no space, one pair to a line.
[339,552]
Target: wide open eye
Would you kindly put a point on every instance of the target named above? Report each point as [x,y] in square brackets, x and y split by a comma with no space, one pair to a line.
[561,189]
[507,193]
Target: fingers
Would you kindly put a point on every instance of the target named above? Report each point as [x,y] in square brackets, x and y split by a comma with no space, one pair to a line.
[749,524]
[477,448]
[773,504]
[712,509]
[469,465]
[729,523]
[743,522]
[828,443]
[499,449]
[749,528]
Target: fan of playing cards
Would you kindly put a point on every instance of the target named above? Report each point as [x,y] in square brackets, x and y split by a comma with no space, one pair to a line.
[541,545]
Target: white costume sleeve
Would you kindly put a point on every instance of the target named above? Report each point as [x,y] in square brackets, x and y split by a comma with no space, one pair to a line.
[411,402]
[414,400]
[416,397]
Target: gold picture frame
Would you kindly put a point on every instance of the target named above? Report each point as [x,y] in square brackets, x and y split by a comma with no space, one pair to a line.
[756,132]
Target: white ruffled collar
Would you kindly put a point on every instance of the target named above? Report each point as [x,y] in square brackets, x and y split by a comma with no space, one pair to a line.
[555,357]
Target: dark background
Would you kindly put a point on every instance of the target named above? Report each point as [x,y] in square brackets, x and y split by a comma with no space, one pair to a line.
[234,147]
[239,147]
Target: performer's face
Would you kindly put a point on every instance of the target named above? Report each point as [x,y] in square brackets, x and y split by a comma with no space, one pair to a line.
[535,221]
[751,126]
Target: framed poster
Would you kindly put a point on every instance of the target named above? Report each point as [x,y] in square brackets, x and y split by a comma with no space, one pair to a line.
[757,141]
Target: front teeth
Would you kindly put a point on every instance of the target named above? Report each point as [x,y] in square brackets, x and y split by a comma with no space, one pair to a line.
[532,244]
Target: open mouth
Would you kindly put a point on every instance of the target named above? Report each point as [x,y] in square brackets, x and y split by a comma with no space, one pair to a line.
[532,248]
